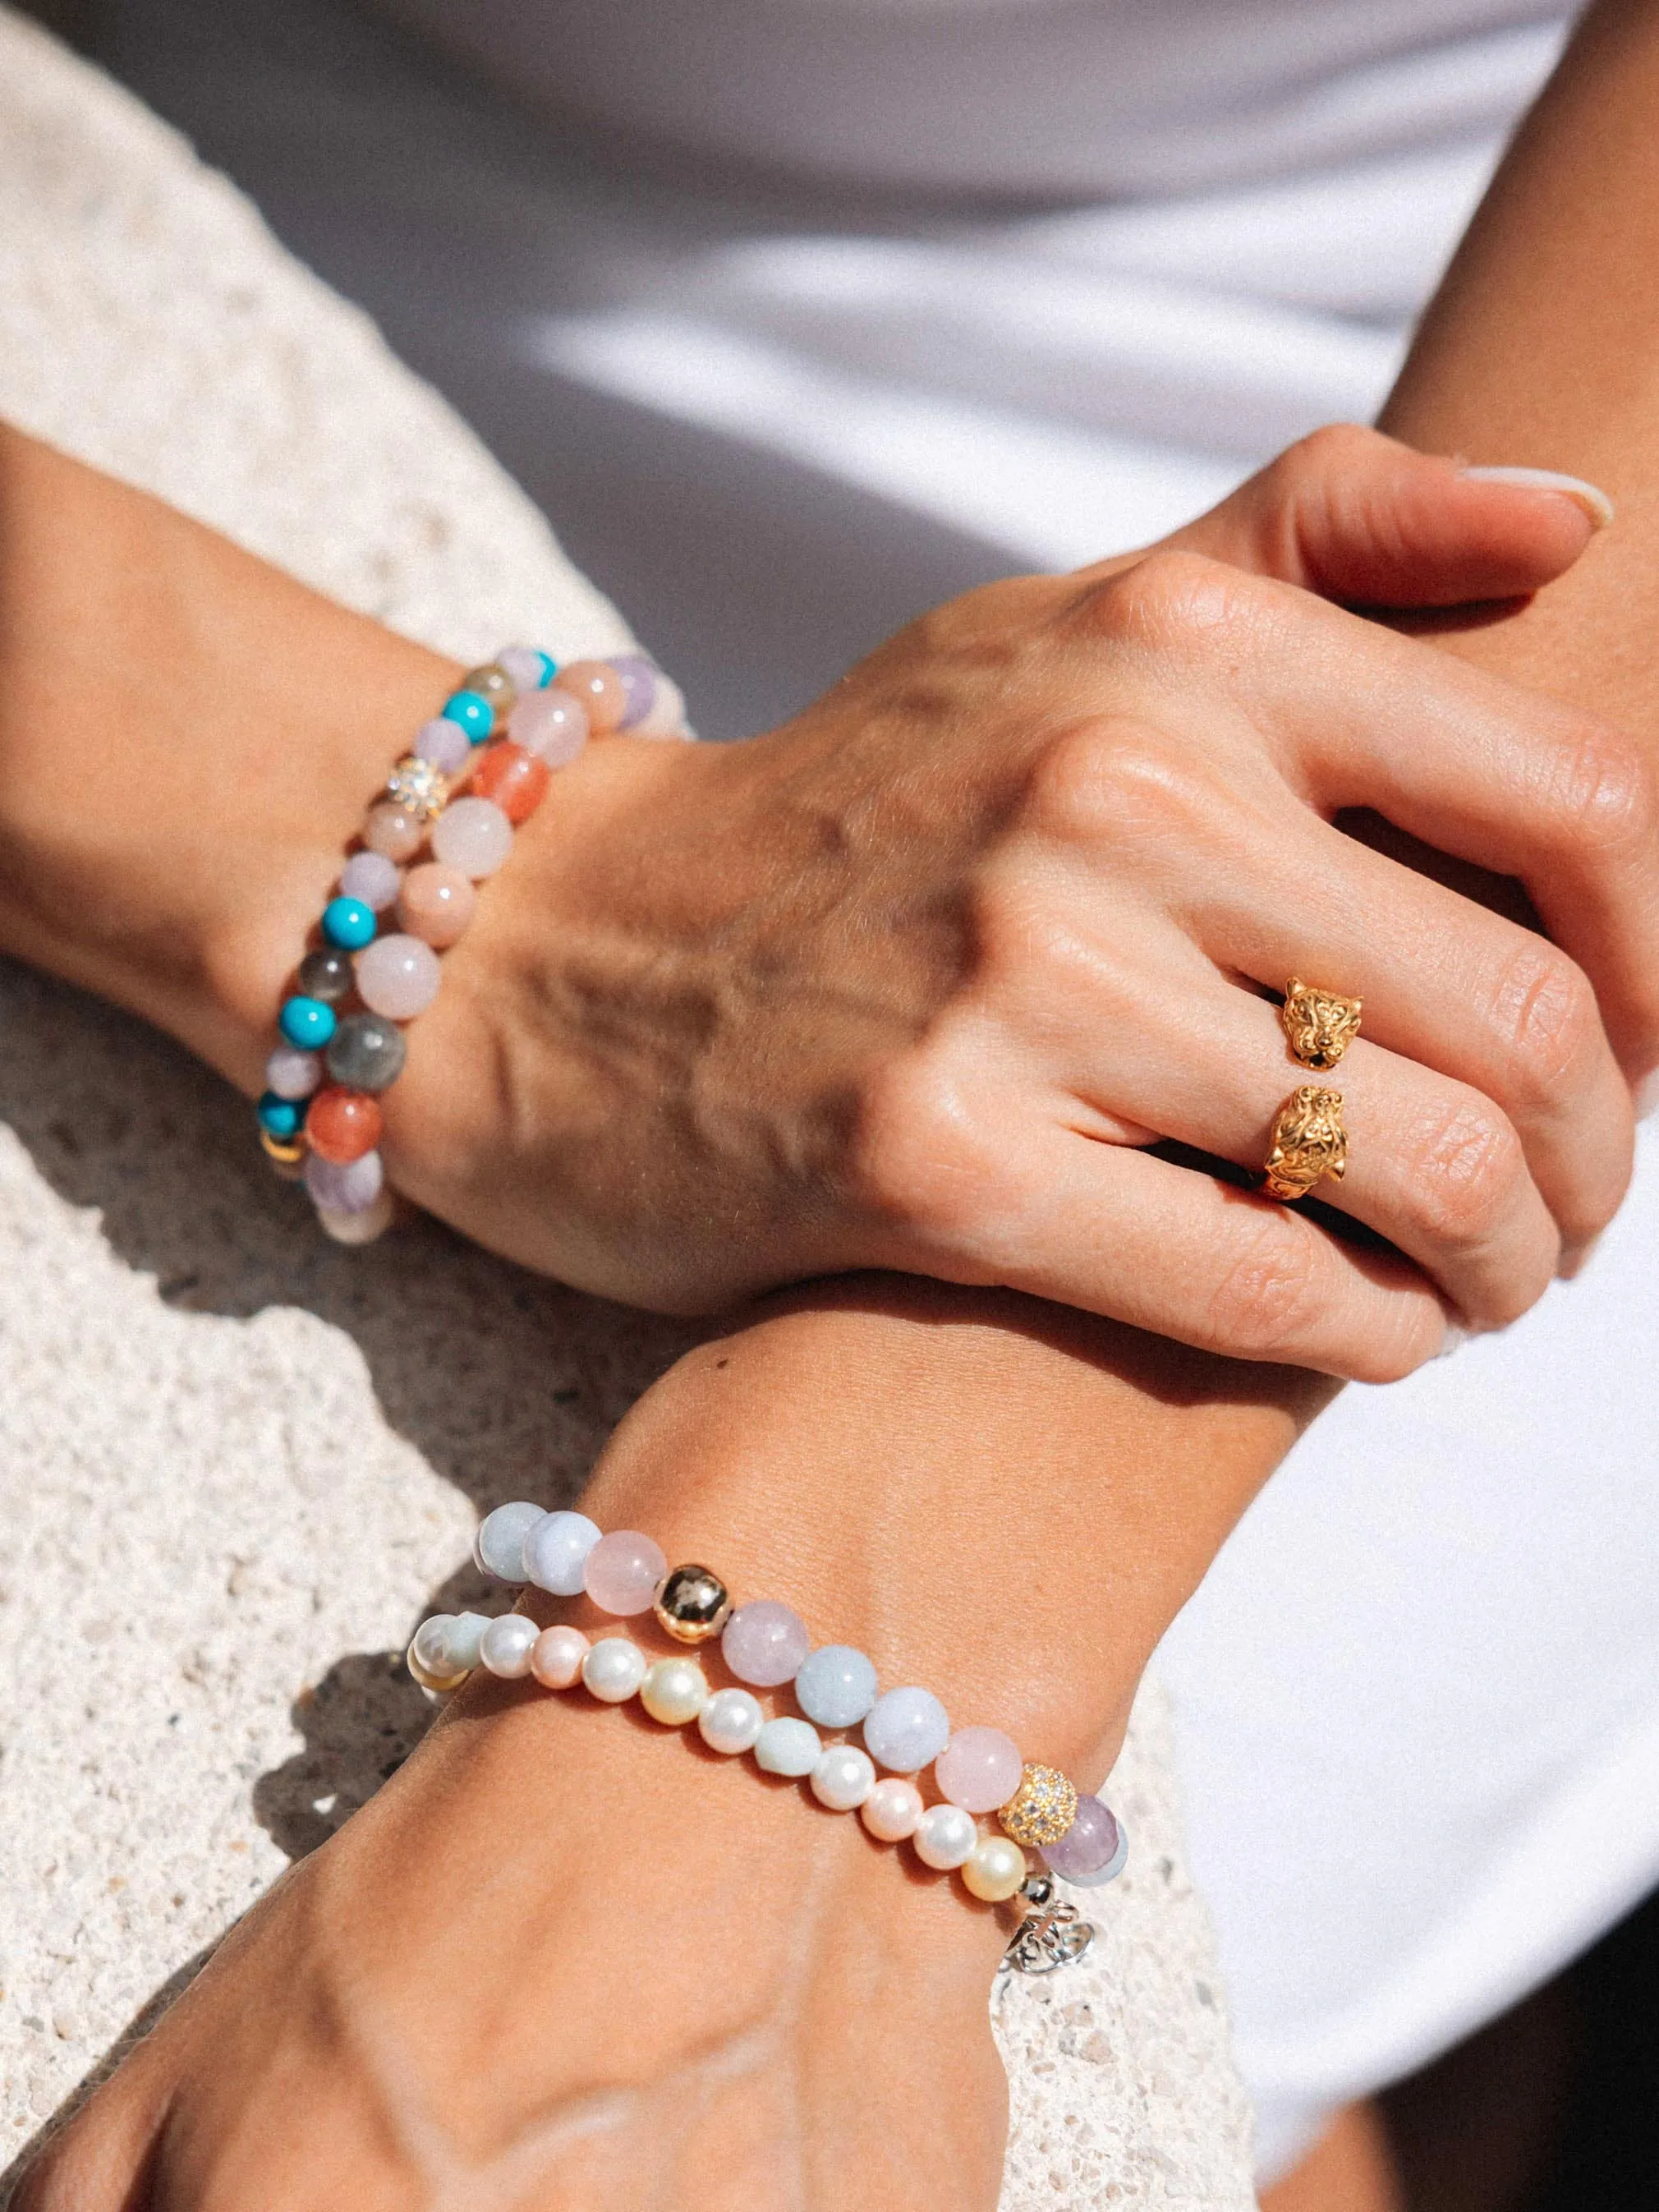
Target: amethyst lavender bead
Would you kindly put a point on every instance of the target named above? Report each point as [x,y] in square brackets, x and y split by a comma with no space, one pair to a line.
[1089,1846]
[443,744]
[639,682]
[351,1187]
[764,1643]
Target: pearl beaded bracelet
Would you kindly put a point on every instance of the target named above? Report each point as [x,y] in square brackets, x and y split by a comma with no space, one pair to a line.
[765,1646]
[521,716]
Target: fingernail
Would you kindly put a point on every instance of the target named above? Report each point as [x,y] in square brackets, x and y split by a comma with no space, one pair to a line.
[1594,500]
[1647,1096]
[1455,1338]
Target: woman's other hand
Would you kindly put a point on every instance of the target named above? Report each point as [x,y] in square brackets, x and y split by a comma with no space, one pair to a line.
[915,980]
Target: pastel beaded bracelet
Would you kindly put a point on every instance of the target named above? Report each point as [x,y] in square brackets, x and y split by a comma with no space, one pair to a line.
[501,734]
[766,1645]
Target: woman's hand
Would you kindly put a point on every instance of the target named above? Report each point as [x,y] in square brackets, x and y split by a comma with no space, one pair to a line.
[914,980]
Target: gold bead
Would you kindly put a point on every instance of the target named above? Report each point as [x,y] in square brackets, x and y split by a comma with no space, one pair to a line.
[418,788]
[1041,1809]
[692,1605]
[442,1684]
[286,1154]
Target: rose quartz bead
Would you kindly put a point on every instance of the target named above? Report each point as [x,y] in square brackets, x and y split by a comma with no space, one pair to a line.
[600,690]
[621,1571]
[556,1659]
[474,836]
[444,743]
[979,1769]
[549,724]
[516,781]
[371,877]
[397,976]
[388,830]
[891,1810]
[436,903]
[764,1643]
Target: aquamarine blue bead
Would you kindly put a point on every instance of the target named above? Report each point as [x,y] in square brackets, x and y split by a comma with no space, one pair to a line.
[835,1686]
[471,712]
[308,1023]
[787,1746]
[349,923]
[906,1729]
[284,1117]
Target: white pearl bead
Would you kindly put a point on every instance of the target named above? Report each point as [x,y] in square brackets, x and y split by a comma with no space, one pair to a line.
[994,1869]
[506,1645]
[498,1547]
[891,1810]
[614,1669]
[789,1747]
[731,1722]
[556,1660]
[674,1692]
[431,1644]
[428,1680]
[843,1778]
[945,1836]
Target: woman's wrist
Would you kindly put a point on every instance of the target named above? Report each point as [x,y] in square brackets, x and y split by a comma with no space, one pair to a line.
[187,738]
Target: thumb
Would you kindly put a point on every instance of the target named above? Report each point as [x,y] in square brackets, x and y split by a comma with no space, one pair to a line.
[1359,517]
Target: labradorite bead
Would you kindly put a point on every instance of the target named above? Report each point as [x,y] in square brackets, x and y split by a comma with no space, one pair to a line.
[349,923]
[692,1604]
[306,1022]
[367,1052]
[492,682]
[326,974]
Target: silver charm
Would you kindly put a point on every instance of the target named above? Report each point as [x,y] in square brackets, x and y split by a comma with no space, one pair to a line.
[1051,1936]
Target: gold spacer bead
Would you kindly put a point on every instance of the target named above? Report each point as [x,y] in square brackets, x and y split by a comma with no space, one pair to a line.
[286,1154]
[1041,1809]
[692,1604]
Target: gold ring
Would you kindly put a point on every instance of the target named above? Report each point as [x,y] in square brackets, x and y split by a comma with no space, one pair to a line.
[1310,1143]
[1319,1025]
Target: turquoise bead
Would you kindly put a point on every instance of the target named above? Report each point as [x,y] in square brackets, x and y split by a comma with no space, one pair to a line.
[284,1117]
[308,1023]
[549,666]
[349,923]
[471,712]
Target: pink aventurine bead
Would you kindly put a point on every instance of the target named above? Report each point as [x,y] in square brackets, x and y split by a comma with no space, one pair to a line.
[623,1571]
[371,877]
[473,835]
[389,831]
[549,724]
[979,1769]
[436,903]
[600,690]
[397,977]
[764,1643]
[557,1655]
[444,743]
[891,1810]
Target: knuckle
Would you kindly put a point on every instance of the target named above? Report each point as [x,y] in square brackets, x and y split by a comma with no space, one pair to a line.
[1169,599]
[1269,1304]
[1605,792]
[1118,777]
[920,1162]
[1464,1171]
[1547,1020]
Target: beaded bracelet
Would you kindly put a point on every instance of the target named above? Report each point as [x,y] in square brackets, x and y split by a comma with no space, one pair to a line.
[501,733]
[766,1645]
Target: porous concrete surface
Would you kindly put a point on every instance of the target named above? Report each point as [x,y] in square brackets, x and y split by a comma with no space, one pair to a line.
[238,1463]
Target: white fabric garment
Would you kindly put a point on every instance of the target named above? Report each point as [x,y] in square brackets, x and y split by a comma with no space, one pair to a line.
[1419,1696]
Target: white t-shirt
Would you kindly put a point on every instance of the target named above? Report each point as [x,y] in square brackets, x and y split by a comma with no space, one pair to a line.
[1419,1696]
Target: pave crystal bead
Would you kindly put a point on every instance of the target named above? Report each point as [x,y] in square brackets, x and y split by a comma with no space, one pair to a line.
[1041,1809]
[419,788]
[693,1604]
